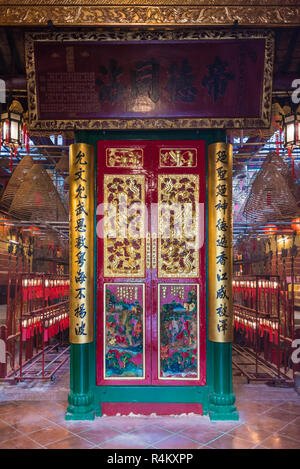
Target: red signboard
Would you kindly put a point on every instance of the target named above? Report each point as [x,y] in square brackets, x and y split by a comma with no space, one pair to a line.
[221,79]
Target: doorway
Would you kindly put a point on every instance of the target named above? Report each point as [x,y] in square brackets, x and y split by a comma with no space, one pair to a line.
[151,262]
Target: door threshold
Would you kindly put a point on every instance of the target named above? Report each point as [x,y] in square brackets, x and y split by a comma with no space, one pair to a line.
[135,409]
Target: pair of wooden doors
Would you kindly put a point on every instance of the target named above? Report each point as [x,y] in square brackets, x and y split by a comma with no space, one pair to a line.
[151,262]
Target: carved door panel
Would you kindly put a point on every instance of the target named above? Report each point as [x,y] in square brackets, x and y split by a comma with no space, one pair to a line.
[123,280]
[150,273]
[178,273]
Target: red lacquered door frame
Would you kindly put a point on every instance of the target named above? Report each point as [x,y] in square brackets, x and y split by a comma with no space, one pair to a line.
[199,169]
[151,169]
[103,168]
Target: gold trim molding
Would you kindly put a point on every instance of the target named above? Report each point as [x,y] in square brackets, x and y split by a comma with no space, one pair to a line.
[153,35]
[81,243]
[220,242]
[267,13]
[147,2]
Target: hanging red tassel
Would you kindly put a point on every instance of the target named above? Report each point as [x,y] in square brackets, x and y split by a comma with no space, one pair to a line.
[15,152]
[290,153]
[11,159]
[27,143]
[277,145]
[6,137]
[261,330]
[280,135]
[24,134]
[25,293]
[24,334]
[276,337]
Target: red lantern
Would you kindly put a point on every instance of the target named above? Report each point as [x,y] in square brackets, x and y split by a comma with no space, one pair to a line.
[270,229]
[295,225]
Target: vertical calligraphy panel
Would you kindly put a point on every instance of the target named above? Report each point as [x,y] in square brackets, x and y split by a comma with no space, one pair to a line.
[81,243]
[220,242]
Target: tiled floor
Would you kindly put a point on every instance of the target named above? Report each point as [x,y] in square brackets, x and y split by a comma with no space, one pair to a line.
[32,417]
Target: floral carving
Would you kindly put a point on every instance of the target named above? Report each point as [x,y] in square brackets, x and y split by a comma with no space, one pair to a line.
[178,250]
[124,250]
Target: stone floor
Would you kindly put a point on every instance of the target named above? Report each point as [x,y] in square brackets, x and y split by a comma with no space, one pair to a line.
[32,417]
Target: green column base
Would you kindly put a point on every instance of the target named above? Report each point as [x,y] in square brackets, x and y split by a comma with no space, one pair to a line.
[221,407]
[81,407]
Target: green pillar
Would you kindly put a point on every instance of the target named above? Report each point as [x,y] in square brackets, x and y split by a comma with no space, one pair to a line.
[220,270]
[82,260]
[222,399]
[81,401]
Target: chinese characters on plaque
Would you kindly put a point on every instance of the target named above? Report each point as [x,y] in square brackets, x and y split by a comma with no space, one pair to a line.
[81,243]
[220,251]
[132,80]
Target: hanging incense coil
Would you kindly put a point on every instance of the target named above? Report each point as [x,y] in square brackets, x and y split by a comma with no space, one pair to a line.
[4,162]
[271,196]
[63,165]
[17,178]
[37,198]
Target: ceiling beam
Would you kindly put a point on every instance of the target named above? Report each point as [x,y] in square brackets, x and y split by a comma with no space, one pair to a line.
[289,51]
[17,67]
[215,13]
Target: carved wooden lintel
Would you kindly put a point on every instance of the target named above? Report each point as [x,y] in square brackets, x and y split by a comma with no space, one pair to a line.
[265,13]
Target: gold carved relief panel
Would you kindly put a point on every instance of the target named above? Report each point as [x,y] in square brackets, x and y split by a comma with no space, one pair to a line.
[178,157]
[150,12]
[124,244]
[178,217]
[124,157]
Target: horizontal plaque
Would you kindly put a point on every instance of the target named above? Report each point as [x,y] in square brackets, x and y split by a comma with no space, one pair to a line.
[92,80]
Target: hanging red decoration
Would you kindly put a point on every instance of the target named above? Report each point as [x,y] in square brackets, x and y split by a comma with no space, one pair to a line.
[24,134]
[11,159]
[290,153]
[277,145]
[6,136]
[12,125]
[27,143]
[295,225]
[270,229]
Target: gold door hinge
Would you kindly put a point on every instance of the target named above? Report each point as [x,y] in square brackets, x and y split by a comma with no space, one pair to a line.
[148,251]
[154,251]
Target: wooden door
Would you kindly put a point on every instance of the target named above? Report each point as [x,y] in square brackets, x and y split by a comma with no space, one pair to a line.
[151,254]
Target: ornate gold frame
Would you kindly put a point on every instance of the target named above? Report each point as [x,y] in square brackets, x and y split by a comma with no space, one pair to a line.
[154,123]
[266,13]
[220,242]
[82,176]
[124,378]
[108,272]
[176,274]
